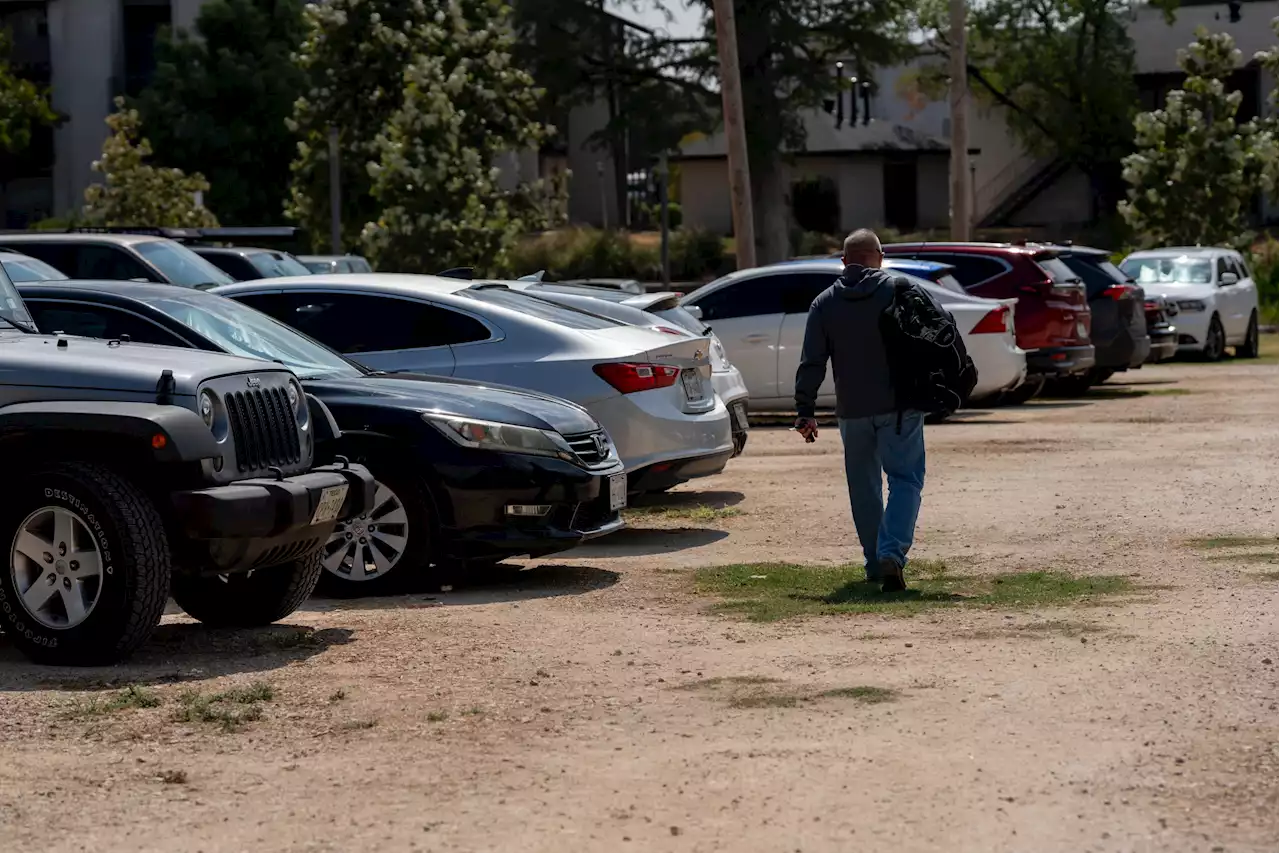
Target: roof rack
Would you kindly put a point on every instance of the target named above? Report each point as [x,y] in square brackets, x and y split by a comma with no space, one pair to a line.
[150,231]
[184,235]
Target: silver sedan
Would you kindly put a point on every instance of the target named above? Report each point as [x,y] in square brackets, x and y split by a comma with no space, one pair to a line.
[651,391]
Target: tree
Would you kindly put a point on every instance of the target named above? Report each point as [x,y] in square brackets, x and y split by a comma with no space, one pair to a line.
[23,105]
[464,103]
[1196,170]
[354,54]
[1062,69]
[219,101]
[137,193]
[787,50]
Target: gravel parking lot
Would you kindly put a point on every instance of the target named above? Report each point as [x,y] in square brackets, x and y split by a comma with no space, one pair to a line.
[602,701]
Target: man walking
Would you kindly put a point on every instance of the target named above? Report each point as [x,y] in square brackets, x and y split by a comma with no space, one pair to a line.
[844,327]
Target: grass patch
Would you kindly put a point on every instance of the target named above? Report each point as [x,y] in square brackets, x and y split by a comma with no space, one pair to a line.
[728,680]
[1263,577]
[864,694]
[1248,557]
[133,696]
[697,512]
[1170,392]
[766,700]
[282,638]
[768,592]
[230,709]
[357,725]
[437,716]
[1213,543]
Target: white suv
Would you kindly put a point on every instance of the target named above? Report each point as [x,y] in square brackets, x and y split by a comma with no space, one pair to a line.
[1215,294]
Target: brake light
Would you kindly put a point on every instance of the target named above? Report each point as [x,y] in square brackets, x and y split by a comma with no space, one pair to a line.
[1117,292]
[1150,306]
[628,377]
[995,322]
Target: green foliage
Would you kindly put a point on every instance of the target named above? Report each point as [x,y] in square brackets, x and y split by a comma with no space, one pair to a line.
[442,200]
[219,101]
[1264,262]
[592,253]
[696,253]
[23,105]
[135,192]
[1062,69]
[354,54]
[1196,170]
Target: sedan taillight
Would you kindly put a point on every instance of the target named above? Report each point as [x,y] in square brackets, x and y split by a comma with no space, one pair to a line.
[629,377]
[996,321]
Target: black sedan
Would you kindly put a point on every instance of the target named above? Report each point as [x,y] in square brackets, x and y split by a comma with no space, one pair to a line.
[467,472]
[249,264]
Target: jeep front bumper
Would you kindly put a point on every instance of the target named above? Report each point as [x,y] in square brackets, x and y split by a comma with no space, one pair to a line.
[262,522]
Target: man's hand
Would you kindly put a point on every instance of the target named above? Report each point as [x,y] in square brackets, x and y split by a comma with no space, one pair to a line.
[808,427]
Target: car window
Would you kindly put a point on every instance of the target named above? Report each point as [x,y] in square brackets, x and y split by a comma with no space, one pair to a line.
[948,281]
[180,265]
[970,270]
[1057,270]
[530,305]
[1241,268]
[98,261]
[56,255]
[1168,269]
[276,265]
[1096,278]
[799,290]
[31,269]
[318,267]
[748,297]
[681,317]
[1222,268]
[233,265]
[98,321]
[355,323]
[359,265]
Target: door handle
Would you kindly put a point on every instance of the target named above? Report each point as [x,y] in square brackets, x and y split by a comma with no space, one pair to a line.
[756,339]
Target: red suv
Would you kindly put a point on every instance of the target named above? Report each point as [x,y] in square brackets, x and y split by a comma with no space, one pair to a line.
[1052,321]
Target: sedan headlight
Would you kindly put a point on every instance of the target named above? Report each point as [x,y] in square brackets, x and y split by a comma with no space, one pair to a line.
[507,438]
[1191,305]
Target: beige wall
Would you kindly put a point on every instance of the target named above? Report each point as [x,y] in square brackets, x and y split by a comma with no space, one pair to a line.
[1156,43]
[704,195]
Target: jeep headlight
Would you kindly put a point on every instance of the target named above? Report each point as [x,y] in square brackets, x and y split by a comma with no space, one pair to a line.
[1191,305]
[506,438]
[208,406]
[298,402]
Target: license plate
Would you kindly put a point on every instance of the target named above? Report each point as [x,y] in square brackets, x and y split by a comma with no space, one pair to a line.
[617,491]
[692,380]
[331,500]
[740,416]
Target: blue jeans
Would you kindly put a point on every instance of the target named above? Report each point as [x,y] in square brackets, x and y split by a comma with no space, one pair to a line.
[871,445]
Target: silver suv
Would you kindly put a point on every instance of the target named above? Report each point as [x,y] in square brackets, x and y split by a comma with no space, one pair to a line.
[135,472]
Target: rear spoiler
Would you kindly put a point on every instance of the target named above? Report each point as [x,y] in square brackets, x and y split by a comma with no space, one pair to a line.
[654,301]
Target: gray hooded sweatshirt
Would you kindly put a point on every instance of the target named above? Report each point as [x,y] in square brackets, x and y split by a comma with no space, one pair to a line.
[844,327]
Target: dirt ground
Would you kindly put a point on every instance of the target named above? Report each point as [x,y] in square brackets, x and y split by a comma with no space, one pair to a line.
[570,707]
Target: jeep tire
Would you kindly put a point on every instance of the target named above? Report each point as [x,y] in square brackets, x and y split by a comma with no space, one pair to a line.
[85,574]
[248,599]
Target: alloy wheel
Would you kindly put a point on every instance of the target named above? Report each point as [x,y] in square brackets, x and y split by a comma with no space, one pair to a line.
[369,546]
[1215,341]
[56,567]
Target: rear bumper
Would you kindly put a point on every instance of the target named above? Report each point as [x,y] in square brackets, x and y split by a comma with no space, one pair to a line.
[1123,351]
[1164,344]
[262,522]
[664,475]
[738,423]
[649,428]
[1051,362]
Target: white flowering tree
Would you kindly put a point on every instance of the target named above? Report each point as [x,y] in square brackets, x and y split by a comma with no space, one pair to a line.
[1196,170]
[135,192]
[442,201]
[354,54]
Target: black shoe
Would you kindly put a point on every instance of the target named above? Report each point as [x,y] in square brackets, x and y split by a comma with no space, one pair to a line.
[891,576]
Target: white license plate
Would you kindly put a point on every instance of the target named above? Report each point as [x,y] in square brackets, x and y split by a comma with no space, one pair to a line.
[331,500]
[740,416]
[692,380]
[617,491]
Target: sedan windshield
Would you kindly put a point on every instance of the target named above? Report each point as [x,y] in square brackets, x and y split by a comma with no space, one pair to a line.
[180,265]
[240,330]
[1168,269]
[30,269]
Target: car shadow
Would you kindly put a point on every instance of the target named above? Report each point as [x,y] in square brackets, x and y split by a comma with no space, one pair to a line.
[177,652]
[504,582]
[649,541]
[715,499]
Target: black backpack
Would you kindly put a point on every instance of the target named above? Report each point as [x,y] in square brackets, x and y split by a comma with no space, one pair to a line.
[930,367]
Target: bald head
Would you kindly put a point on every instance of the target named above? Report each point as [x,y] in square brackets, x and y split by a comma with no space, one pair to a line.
[862,247]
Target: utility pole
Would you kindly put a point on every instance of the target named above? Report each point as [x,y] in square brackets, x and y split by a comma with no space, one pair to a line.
[959,92]
[663,173]
[335,195]
[735,134]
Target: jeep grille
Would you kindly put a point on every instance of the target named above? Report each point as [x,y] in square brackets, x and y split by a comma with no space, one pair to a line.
[264,428]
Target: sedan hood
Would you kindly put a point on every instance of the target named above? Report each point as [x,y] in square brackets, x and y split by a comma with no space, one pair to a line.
[114,365]
[458,397]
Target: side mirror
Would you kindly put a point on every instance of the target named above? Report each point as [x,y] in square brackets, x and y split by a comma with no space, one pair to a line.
[695,311]
[1227,278]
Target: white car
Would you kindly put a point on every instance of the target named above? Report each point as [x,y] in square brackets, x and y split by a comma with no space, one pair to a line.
[760,316]
[1216,297]
[651,391]
[661,311]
